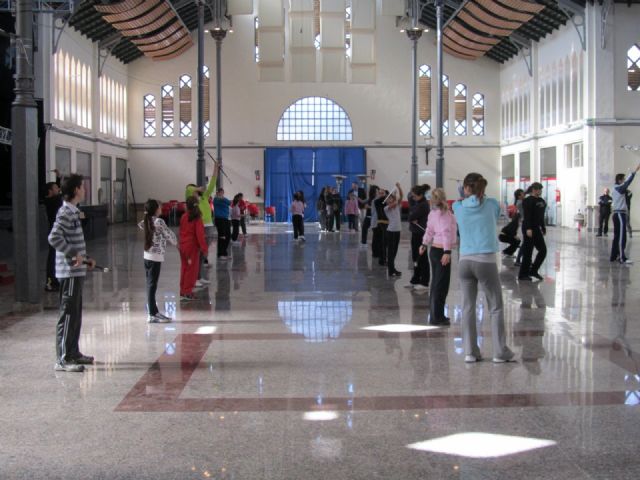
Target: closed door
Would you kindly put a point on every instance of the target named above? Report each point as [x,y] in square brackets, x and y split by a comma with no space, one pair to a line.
[120,191]
[104,191]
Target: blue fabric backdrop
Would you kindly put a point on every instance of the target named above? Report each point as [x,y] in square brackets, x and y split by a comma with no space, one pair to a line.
[288,170]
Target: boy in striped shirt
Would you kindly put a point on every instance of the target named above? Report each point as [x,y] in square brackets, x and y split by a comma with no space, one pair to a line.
[68,240]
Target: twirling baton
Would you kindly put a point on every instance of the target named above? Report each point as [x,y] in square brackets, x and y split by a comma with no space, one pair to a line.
[220,168]
[396,187]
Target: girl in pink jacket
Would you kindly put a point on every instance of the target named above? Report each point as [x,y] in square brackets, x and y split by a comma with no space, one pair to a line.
[441,234]
[351,209]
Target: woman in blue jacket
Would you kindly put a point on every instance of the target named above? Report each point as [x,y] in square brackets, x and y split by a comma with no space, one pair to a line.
[477,216]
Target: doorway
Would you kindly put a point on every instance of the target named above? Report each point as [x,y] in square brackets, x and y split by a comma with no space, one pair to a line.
[309,169]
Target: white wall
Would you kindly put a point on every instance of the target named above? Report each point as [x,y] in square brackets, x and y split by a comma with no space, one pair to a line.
[66,134]
[380,114]
[605,99]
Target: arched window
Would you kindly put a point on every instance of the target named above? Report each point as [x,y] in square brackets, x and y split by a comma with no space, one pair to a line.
[424,100]
[167,110]
[205,86]
[633,68]
[316,119]
[185,106]
[460,126]
[149,115]
[477,115]
[445,104]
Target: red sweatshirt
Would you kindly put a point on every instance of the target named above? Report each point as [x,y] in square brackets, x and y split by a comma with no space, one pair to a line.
[192,235]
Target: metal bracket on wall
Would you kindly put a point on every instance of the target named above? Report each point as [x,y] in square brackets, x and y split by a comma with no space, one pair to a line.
[56,30]
[524,46]
[105,47]
[606,7]
[575,14]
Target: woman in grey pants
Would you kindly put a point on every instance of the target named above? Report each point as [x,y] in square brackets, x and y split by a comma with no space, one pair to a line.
[477,216]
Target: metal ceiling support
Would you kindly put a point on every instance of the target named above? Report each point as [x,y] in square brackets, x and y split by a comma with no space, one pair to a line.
[200,167]
[575,13]
[439,72]
[458,6]
[604,14]
[414,33]
[105,47]
[24,166]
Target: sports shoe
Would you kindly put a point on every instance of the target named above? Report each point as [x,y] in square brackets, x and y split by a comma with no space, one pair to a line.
[187,298]
[395,273]
[303,239]
[158,319]
[626,262]
[537,275]
[502,360]
[82,360]
[223,257]
[198,284]
[524,278]
[164,317]
[204,281]
[445,322]
[472,358]
[68,367]
[421,287]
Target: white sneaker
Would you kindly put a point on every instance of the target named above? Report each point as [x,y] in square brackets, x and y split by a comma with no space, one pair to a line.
[420,287]
[204,281]
[223,257]
[472,359]
[627,262]
[303,239]
[199,284]
[164,317]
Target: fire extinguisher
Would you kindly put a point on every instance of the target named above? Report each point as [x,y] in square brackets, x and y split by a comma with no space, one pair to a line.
[257,190]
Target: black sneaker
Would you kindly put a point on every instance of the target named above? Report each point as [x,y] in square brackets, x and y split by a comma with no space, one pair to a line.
[395,273]
[68,367]
[524,278]
[537,275]
[445,322]
[82,360]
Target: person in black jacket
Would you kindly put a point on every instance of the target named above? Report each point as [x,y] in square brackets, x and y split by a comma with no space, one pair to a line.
[381,228]
[534,208]
[417,225]
[605,202]
[509,234]
[336,202]
[52,203]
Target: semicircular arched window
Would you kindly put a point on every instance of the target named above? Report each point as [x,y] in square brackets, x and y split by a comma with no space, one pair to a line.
[314,119]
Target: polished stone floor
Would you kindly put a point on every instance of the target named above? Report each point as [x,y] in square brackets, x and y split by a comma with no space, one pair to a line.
[275,372]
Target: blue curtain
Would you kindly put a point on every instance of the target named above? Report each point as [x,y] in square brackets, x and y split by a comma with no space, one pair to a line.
[288,170]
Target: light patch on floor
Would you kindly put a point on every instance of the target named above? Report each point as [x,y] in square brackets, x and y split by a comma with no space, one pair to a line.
[481,445]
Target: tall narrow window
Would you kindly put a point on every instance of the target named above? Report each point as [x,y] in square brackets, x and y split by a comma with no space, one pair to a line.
[424,100]
[256,25]
[316,24]
[445,104]
[167,110]
[477,117]
[205,86]
[185,106]
[347,29]
[633,68]
[460,126]
[149,115]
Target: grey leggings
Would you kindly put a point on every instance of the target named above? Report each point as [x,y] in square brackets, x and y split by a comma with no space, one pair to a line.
[486,274]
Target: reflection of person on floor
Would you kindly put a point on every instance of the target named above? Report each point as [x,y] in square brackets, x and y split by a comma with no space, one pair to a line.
[223,290]
[533,320]
[428,353]
[620,281]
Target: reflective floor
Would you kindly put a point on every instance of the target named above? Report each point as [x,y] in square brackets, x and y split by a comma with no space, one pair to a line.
[304,361]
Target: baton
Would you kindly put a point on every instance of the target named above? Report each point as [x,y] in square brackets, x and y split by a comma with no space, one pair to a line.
[396,187]
[220,168]
[97,267]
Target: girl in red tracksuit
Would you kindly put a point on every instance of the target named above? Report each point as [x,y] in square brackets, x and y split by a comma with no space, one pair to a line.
[192,244]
